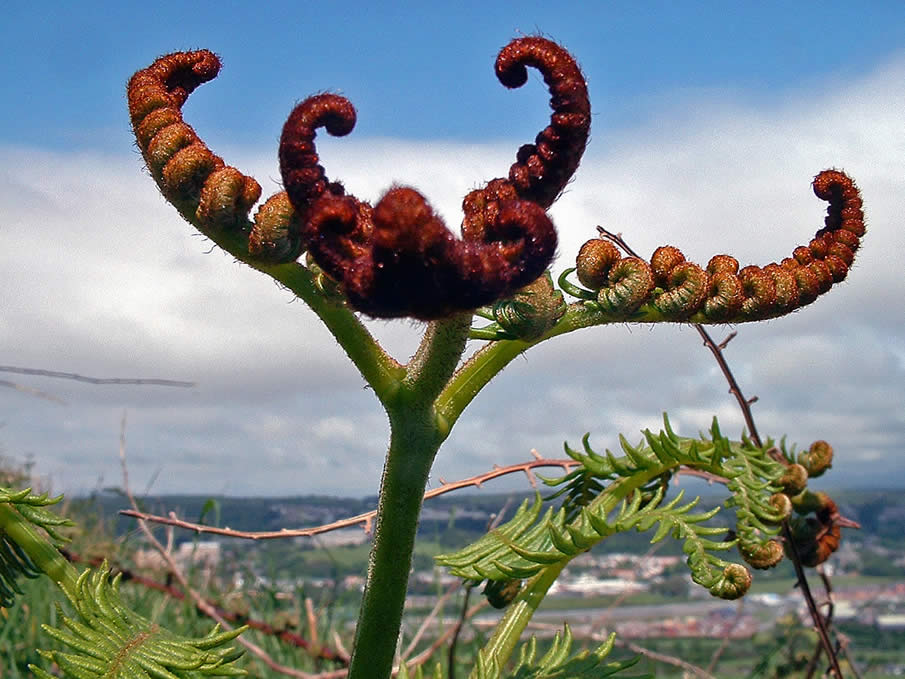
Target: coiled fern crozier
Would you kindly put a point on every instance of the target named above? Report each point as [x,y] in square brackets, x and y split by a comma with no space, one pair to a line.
[348,259]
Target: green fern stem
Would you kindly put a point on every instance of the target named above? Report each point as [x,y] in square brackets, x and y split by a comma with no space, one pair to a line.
[377,367]
[508,631]
[416,433]
[39,549]
[488,361]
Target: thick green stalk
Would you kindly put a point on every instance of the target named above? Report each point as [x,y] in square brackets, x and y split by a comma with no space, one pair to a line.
[414,442]
[416,433]
[39,549]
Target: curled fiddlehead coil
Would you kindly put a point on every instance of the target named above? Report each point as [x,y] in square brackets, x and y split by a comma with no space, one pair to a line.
[817,537]
[595,259]
[764,555]
[621,284]
[398,258]
[531,311]
[817,459]
[734,582]
[210,194]
[542,169]
[722,292]
[794,479]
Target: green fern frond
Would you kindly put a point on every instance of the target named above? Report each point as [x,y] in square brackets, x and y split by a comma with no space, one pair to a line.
[110,640]
[517,550]
[31,507]
[664,452]
[753,480]
[530,542]
[557,663]
[14,561]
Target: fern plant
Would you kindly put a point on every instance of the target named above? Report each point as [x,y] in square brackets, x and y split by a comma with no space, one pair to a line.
[347,259]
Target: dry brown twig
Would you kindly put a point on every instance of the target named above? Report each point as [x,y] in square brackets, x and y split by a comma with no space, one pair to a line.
[211,611]
[727,634]
[428,619]
[364,519]
[31,391]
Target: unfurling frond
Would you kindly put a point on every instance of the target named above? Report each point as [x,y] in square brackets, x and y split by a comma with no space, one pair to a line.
[110,641]
[14,561]
[611,493]
[669,288]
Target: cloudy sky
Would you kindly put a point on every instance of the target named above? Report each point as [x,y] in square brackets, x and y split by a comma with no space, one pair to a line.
[708,127]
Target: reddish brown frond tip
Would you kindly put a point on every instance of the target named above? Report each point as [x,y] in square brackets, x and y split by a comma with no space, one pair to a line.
[723,292]
[399,259]
[543,169]
[189,175]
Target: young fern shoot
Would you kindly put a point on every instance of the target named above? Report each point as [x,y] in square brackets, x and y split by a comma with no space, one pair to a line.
[347,259]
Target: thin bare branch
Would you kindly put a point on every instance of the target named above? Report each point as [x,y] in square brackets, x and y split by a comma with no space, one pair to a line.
[361,519]
[727,634]
[425,655]
[202,604]
[743,403]
[428,619]
[662,657]
[40,372]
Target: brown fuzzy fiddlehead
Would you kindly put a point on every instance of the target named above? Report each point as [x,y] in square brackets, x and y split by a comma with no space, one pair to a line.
[209,193]
[542,169]
[722,292]
[398,258]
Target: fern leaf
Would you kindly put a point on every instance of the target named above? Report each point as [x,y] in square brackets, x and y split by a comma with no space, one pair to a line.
[108,640]
[559,663]
[14,562]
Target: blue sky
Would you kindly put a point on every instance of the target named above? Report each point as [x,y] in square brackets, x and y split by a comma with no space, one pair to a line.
[66,63]
[709,121]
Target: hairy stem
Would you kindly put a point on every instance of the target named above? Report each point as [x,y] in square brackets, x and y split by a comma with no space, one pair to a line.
[414,442]
[44,555]
[438,355]
[378,368]
[415,436]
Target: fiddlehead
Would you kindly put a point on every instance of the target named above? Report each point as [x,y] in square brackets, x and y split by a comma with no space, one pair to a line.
[670,288]
[542,169]
[817,529]
[398,258]
[817,459]
[210,194]
[527,315]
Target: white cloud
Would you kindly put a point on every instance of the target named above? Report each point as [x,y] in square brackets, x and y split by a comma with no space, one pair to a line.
[101,277]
